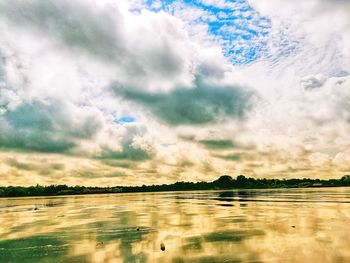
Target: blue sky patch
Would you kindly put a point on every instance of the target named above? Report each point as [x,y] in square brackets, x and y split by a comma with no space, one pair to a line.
[240,30]
[125,119]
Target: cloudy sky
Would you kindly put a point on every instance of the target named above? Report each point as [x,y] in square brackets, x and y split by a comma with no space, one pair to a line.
[118,92]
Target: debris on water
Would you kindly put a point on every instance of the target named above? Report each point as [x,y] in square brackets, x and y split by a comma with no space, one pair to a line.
[293,226]
[162,246]
[35,208]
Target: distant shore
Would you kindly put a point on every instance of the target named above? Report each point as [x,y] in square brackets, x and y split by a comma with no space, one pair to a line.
[225,182]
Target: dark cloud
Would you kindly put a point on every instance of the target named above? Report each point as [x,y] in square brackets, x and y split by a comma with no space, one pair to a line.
[200,105]
[57,166]
[311,83]
[91,174]
[44,128]
[128,153]
[41,167]
[85,173]
[114,174]
[19,165]
[116,163]
[217,144]
[229,157]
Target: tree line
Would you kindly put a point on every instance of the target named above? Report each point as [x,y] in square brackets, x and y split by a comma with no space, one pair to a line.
[224,182]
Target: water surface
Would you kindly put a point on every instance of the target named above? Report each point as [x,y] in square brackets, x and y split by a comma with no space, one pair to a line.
[283,225]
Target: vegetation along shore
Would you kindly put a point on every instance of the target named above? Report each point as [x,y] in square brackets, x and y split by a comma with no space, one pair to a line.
[224,182]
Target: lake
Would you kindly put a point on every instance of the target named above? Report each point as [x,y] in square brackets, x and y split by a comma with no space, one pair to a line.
[280,225]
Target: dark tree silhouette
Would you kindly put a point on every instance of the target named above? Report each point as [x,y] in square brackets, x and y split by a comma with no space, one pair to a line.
[224,182]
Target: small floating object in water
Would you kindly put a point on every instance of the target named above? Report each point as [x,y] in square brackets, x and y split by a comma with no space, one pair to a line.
[162,246]
[35,208]
[293,226]
[138,229]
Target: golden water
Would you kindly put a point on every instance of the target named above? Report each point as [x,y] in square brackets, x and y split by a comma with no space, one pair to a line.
[283,225]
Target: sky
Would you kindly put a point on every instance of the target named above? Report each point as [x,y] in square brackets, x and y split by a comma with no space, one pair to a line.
[132,92]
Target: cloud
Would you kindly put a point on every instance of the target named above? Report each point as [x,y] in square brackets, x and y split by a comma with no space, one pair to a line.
[229,157]
[202,104]
[19,165]
[54,127]
[217,144]
[133,146]
[128,153]
[315,33]
[312,82]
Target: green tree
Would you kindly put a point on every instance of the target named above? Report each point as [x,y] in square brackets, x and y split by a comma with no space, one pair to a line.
[241,180]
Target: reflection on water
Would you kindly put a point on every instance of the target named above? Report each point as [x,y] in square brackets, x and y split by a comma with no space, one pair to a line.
[284,225]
